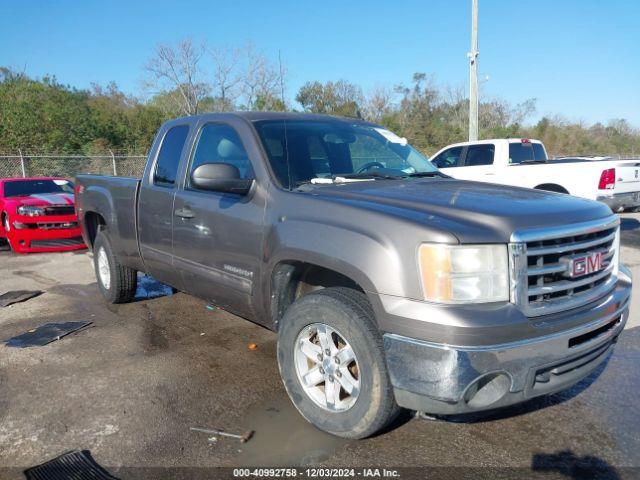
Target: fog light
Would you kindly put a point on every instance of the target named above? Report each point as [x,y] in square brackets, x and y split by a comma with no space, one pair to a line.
[487,390]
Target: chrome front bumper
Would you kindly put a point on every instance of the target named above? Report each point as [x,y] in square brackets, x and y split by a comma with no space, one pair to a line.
[621,201]
[447,379]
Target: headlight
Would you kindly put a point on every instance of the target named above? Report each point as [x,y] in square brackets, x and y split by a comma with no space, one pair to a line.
[30,211]
[464,273]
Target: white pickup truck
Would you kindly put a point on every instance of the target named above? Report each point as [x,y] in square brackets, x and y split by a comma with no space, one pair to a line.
[524,163]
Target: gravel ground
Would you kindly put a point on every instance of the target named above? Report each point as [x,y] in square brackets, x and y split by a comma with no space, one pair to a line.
[129,387]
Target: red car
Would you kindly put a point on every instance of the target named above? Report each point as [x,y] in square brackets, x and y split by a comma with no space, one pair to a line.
[39,215]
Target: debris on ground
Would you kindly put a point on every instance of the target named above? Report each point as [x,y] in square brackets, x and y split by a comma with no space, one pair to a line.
[244,438]
[45,334]
[149,287]
[210,307]
[252,346]
[74,464]
[17,296]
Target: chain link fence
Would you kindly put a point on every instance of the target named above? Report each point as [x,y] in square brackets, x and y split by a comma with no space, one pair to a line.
[68,166]
[121,165]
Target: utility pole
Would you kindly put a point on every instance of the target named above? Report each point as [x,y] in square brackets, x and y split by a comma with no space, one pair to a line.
[473,74]
[281,78]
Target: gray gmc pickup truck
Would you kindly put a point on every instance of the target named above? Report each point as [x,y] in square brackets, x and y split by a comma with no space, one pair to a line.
[389,284]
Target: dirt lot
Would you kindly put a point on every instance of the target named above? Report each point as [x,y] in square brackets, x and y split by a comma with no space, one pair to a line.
[129,387]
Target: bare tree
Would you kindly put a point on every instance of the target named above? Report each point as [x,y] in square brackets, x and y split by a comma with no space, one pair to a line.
[227,77]
[175,73]
[378,103]
[261,81]
[458,103]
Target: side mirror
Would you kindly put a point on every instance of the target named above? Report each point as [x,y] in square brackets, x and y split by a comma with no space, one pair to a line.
[220,177]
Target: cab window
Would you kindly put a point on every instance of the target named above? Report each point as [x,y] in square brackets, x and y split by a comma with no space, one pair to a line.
[526,152]
[166,168]
[451,157]
[478,155]
[220,143]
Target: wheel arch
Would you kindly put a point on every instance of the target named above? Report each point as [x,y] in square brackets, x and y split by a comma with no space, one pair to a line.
[290,279]
[93,221]
[552,187]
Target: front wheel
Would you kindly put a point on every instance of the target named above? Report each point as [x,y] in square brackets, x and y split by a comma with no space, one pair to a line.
[116,282]
[332,363]
[6,225]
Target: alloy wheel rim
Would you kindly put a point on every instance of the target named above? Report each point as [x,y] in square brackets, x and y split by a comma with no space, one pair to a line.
[103,268]
[327,367]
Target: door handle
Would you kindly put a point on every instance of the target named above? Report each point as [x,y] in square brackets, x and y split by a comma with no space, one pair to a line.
[184,213]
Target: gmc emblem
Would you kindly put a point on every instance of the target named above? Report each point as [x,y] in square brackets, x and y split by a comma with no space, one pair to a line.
[584,263]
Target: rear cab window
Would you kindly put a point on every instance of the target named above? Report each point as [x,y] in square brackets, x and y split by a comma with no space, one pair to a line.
[168,161]
[526,152]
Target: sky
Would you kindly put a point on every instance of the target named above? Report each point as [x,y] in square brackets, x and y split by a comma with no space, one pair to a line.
[578,58]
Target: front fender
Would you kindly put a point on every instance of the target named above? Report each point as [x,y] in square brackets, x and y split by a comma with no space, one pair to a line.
[365,259]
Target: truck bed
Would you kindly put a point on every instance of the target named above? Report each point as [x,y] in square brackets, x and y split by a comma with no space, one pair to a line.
[115,199]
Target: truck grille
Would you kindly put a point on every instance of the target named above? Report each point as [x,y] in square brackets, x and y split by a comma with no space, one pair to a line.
[60,210]
[549,277]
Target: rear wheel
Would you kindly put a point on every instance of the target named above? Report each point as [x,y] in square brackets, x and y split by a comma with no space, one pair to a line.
[332,363]
[116,282]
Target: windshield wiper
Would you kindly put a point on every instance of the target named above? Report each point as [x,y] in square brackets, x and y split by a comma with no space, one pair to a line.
[427,174]
[369,175]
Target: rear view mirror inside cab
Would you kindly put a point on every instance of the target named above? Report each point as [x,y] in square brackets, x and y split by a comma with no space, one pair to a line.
[335,137]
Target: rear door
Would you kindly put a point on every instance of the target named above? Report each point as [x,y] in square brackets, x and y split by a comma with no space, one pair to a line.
[155,206]
[478,163]
[218,244]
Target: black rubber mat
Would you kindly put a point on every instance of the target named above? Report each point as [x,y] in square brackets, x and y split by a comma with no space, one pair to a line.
[17,296]
[44,334]
[70,466]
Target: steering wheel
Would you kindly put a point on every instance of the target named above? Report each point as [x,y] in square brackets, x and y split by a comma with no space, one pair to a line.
[369,165]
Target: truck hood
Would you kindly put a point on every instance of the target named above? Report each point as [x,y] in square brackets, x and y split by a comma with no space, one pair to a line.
[471,211]
[41,199]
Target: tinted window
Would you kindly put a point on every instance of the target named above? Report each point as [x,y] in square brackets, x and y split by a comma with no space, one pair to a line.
[218,143]
[299,151]
[35,187]
[169,156]
[526,152]
[448,158]
[479,155]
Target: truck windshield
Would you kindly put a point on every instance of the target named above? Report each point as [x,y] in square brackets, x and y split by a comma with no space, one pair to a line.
[526,152]
[301,150]
[19,188]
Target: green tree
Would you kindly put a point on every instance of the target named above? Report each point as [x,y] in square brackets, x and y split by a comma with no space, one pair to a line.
[335,98]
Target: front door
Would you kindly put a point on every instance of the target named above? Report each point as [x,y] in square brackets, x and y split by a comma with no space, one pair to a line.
[217,237]
[450,161]
[155,202]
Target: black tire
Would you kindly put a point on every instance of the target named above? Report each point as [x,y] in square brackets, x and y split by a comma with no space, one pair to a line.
[4,242]
[349,312]
[123,280]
